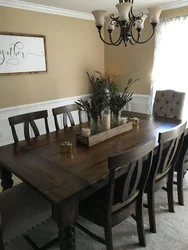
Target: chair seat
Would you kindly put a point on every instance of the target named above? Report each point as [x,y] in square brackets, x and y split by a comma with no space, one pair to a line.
[22,209]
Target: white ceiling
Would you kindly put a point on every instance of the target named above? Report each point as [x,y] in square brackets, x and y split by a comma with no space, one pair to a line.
[88,5]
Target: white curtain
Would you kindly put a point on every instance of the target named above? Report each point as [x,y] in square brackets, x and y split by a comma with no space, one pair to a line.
[170,69]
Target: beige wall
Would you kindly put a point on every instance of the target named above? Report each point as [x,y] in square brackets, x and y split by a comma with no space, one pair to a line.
[73,48]
[137,61]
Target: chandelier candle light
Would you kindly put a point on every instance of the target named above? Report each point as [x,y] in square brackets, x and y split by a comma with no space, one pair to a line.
[126,21]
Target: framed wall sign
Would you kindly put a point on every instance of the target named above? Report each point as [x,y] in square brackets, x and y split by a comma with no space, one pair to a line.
[21,53]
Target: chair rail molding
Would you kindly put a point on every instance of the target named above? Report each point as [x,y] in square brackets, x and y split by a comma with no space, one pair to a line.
[139,103]
[45,9]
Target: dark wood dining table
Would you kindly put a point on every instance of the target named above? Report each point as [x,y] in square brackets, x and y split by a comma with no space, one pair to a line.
[64,180]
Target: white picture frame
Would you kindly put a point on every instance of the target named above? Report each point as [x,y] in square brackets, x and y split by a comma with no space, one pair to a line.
[22,53]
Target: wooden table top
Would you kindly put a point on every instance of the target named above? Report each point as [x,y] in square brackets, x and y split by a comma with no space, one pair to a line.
[40,163]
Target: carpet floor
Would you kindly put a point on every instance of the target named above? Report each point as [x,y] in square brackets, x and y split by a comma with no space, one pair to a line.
[172,230]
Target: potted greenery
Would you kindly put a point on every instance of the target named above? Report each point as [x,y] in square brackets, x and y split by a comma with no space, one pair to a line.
[105,95]
[118,100]
[95,104]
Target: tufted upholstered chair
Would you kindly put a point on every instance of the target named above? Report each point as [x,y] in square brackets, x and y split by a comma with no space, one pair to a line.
[168,103]
[21,210]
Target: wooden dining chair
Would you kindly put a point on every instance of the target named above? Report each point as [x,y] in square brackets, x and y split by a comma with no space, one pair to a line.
[28,120]
[162,169]
[22,209]
[181,169]
[122,197]
[66,112]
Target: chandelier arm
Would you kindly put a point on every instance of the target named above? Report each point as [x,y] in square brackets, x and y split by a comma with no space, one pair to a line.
[103,39]
[142,42]
[130,25]
[132,17]
[120,39]
[120,42]
[132,43]
[131,14]
[117,42]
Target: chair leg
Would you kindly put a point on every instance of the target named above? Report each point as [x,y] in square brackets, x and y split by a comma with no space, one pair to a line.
[140,223]
[170,192]
[1,243]
[180,176]
[151,210]
[108,237]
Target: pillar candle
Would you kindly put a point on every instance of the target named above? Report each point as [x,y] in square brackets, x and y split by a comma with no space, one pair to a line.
[106,121]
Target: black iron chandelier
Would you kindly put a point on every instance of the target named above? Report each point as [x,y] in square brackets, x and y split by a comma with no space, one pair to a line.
[126,22]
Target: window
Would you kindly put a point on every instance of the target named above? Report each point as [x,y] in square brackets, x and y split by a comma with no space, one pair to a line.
[170,69]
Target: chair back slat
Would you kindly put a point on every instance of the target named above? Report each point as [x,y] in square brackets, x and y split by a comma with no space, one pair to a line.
[170,155]
[132,180]
[56,123]
[28,120]
[34,127]
[136,177]
[131,184]
[66,112]
[71,119]
[127,181]
[26,130]
[14,134]
[65,120]
[46,125]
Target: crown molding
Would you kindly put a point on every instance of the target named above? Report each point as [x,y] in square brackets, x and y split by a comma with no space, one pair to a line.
[45,9]
[76,14]
[175,4]
[172,5]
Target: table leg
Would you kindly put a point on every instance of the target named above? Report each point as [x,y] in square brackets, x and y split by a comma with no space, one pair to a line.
[65,214]
[67,238]
[6,179]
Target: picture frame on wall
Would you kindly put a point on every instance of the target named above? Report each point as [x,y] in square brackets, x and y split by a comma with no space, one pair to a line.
[22,53]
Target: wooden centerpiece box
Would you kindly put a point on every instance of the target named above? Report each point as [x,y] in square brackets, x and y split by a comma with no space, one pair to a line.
[100,135]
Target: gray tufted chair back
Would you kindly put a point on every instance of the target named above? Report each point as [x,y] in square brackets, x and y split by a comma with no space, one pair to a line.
[169,103]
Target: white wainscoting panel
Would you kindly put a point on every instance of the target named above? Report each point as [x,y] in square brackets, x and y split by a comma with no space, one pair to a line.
[139,104]
[5,131]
